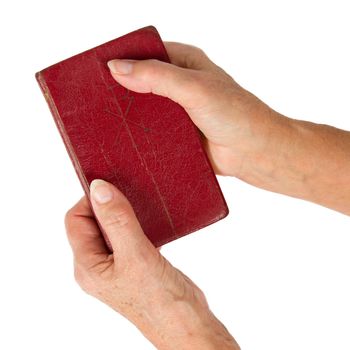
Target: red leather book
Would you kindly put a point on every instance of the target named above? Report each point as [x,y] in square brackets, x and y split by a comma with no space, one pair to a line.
[144,144]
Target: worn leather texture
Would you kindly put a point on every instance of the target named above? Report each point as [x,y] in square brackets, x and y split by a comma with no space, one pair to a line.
[144,144]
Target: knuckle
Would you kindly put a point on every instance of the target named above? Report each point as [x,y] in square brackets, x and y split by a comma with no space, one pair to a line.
[199,51]
[152,62]
[68,216]
[118,217]
[196,58]
[77,274]
[81,278]
[150,68]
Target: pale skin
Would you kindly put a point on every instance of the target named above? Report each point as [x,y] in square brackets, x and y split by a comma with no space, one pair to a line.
[244,138]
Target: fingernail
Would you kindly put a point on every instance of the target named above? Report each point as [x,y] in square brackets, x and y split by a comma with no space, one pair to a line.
[120,66]
[101,191]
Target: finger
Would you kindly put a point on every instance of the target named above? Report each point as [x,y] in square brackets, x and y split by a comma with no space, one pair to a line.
[117,218]
[184,86]
[187,56]
[84,236]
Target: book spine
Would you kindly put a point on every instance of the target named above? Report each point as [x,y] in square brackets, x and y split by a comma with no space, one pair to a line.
[56,116]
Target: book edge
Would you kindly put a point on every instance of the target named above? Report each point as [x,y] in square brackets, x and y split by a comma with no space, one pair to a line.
[150,27]
[56,116]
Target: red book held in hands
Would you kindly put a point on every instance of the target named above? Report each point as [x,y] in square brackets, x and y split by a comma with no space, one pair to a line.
[145,144]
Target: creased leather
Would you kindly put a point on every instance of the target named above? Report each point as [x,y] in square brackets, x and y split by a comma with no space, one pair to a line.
[144,144]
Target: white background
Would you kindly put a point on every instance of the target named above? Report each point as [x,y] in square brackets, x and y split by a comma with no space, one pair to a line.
[276,271]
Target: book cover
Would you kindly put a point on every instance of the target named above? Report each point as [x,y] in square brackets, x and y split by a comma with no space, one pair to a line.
[144,144]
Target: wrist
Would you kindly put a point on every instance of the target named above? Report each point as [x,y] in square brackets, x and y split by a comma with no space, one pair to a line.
[186,324]
[253,142]
[258,157]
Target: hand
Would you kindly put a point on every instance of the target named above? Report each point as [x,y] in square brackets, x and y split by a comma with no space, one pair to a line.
[243,136]
[219,107]
[136,280]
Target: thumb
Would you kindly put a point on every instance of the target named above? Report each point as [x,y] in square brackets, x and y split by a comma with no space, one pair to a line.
[119,222]
[182,85]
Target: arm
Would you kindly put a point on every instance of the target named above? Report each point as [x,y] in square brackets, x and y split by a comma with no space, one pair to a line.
[300,159]
[243,136]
